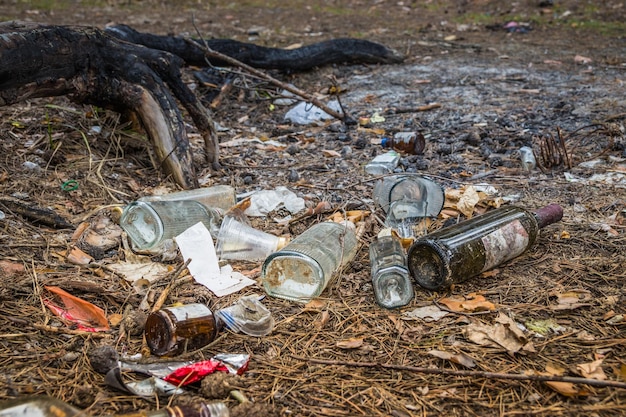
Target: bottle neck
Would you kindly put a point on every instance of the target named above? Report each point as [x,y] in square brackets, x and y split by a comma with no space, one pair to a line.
[549,214]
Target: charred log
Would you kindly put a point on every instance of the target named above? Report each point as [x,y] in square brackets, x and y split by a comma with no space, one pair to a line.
[341,50]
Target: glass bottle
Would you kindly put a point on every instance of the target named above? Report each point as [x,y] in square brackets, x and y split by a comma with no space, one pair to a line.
[527,157]
[302,269]
[44,406]
[464,250]
[410,142]
[148,224]
[383,164]
[221,197]
[408,199]
[390,276]
[174,330]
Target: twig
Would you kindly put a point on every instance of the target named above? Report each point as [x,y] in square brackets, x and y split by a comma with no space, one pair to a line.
[53,329]
[482,374]
[264,76]
[166,291]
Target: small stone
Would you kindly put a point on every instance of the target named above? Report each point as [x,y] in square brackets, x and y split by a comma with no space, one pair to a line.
[293,176]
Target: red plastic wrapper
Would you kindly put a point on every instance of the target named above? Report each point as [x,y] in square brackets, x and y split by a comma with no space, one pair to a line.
[188,374]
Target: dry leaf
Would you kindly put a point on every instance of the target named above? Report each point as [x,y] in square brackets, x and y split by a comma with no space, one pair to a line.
[572,299]
[592,370]
[504,333]
[459,358]
[470,303]
[9,268]
[566,388]
[352,343]
[324,318]
[427,313]
[330,153]
[316,304]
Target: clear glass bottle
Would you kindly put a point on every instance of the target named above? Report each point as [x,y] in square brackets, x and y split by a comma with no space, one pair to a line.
[302,269]
[174,330]
[221,197]
[408,199]
[410,142]
[527,158]
[383,164]
[148,224]
[390,276]
[456,253]
[44,406]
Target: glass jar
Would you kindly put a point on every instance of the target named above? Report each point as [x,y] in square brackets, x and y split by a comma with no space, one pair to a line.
[178,329]
[302,269]
[148,224]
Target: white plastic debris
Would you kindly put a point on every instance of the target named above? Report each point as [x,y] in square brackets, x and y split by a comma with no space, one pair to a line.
[306,113]
[265,201]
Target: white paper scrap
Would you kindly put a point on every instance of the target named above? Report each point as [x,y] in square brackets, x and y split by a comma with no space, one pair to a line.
[196,243]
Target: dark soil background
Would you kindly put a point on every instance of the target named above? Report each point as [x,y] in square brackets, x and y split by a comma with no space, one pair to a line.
[564,69]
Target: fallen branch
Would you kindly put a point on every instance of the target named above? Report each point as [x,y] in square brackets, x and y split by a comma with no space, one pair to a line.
[210,53]
[481,374]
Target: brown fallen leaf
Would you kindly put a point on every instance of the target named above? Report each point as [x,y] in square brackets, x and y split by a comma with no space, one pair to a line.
[323,320]
[459,358]
[470,303]
[352,343]
[592,370]
[504,333]
[572,299]
[9,268]
[567,389]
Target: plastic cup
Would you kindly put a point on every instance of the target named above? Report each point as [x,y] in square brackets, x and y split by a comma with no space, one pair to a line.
[238,241]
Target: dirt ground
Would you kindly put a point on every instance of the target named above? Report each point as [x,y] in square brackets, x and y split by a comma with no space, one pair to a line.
[560,72]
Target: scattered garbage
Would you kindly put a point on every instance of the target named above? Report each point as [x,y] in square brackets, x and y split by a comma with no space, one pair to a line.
[148,224]
[239,241]
[383,164]
[410,142]
[390,277]
[174,330]
[301,270]
[221,197]
[305,113]
[456,253]
[406,200]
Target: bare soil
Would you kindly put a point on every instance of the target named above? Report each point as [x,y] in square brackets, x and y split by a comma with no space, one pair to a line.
[562,73]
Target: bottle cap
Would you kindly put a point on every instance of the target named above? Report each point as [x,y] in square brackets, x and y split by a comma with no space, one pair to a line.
[549,214]
[384,142]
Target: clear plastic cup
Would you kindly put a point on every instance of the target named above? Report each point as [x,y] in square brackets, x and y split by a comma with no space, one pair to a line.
[238,241]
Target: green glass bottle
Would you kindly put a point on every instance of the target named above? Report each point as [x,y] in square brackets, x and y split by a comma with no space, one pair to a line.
[454,254]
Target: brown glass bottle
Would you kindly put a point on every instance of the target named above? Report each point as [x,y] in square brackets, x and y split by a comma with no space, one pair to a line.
[174,330]
[409,142]
[459,252]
